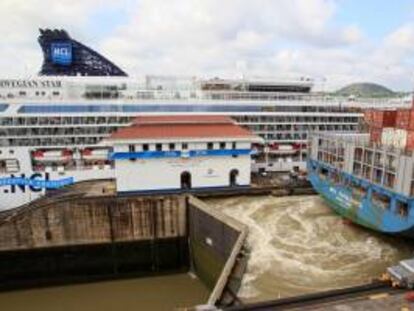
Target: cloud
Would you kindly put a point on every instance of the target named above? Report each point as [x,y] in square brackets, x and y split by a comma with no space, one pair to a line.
[402,38]
[213,38]
[352,34]
[222,37]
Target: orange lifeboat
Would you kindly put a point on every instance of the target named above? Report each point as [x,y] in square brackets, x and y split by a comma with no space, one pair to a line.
[95,154]
[53,155]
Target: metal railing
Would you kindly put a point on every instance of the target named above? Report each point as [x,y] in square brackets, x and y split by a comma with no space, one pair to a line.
[131,95]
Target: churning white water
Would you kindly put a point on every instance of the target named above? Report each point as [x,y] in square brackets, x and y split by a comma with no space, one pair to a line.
[299,245]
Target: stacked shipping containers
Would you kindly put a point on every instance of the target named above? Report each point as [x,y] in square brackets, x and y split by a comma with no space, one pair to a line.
[375,135]
[378,120]
[381,118]
[388,136]
[405,127]
[391,127]
[368,116]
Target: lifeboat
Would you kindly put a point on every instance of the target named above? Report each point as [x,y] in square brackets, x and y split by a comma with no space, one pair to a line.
[282,149]
[52,155]
[38,154]
[95,154]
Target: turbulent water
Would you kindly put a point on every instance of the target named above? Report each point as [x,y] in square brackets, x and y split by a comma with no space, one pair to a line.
[299,245]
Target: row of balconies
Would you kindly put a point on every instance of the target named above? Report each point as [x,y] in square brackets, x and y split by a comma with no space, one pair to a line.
[56,131]
[295,119]
[49,141]
[20,121]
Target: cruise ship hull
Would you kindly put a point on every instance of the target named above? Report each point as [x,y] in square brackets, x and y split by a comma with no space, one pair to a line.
[360,211]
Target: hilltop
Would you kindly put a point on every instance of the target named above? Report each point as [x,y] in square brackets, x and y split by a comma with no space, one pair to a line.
[365,90]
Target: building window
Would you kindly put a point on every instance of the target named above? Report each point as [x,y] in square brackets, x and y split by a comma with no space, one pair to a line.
[56,93]
[222,145]
[145,147]
[210,146]
[158,147]
[184,146]
[131,148]
[234,145]
[171,146]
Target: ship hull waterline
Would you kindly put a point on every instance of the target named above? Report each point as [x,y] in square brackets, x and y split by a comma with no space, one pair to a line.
[351,213]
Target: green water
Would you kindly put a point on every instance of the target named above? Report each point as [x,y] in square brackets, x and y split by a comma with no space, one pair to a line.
[162,293]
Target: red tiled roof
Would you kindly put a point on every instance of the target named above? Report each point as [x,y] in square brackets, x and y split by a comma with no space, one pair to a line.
[177,127]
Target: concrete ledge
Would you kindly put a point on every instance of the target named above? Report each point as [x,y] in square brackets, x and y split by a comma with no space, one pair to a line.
[195,191]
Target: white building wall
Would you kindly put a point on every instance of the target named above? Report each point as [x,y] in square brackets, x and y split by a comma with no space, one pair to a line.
[165,173]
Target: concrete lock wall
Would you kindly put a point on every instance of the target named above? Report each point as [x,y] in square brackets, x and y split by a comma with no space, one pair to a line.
[87,238]
[92,238]
[92,221]
[215,242]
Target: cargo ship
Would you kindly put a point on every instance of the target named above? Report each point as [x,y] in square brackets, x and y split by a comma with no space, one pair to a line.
[369,177]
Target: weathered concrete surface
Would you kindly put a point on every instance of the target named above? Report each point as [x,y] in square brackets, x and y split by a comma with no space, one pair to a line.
[94,220]
[216,242]
[73,236]
[68,238]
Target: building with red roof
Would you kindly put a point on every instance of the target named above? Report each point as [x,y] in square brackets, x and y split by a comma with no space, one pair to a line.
[181,127]
[163,153]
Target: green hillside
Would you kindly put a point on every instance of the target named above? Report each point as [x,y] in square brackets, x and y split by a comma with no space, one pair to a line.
[365,90]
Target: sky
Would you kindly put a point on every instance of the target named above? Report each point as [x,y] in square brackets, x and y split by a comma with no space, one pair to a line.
[335,42]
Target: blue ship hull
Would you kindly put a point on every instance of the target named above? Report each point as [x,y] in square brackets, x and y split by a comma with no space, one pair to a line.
[340,195]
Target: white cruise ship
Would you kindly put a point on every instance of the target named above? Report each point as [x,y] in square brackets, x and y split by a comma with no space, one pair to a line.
[53,126]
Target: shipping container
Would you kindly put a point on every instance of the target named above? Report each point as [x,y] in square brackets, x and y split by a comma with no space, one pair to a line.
[368,116]
[405,119]
[409,145]
[384,118]
[375,135]
[402,119]
[388,136]
[400,138]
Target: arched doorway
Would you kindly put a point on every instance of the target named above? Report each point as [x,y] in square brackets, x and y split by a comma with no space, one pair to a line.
[233,177]
[185,180]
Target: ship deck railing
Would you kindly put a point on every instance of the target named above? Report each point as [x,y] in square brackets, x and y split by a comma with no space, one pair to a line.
[217,96]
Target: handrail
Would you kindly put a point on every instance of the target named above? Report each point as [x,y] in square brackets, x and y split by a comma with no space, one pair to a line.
[202,95]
